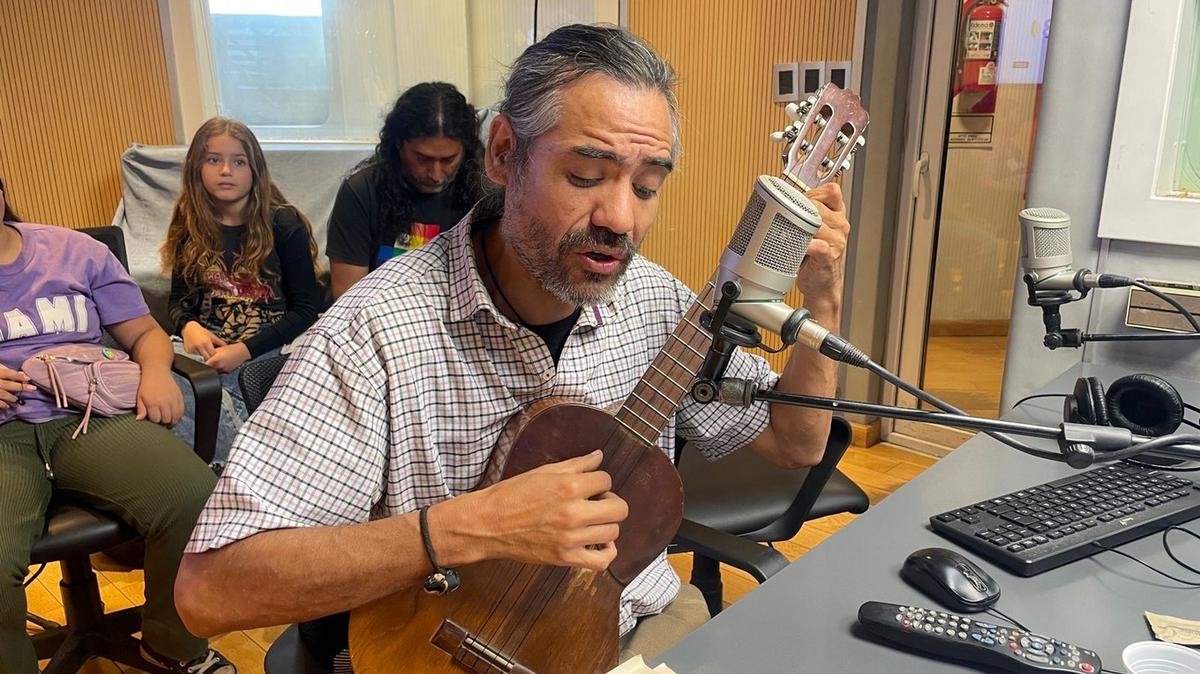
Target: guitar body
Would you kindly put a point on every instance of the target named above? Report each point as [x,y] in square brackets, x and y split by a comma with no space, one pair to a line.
[515,617]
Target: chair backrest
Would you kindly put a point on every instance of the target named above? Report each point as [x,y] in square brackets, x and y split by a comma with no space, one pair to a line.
[256,377]
[746,495]
[112,237]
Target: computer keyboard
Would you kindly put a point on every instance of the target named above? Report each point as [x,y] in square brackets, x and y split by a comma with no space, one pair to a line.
[1051,524]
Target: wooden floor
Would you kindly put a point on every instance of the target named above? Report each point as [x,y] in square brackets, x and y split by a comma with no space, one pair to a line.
[966,372]
[879,471]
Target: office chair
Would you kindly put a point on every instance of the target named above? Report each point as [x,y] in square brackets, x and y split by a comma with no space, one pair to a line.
[745,495]
[75,532]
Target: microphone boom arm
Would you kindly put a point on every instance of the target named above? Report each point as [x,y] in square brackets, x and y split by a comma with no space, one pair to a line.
[1077,441]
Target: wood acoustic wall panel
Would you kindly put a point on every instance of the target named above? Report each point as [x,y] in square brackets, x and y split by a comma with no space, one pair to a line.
[81,82]
[722,51]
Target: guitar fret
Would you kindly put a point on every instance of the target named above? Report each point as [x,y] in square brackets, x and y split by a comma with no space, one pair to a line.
[641,419]
[647,404]
[630,428]
[676,361]
[662,395]
[667,377]
[689,346]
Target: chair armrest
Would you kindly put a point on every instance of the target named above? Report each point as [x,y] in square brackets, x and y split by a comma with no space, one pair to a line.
[759,561]
[206,389]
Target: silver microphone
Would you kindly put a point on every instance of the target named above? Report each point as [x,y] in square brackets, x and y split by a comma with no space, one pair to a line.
[1046,248]
[1046,254]
[765,253]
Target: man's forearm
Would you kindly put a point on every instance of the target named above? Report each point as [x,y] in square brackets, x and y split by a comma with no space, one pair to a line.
[292,575]
[796,435]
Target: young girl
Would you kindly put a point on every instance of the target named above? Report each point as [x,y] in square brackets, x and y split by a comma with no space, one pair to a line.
[242,262]
[60,287]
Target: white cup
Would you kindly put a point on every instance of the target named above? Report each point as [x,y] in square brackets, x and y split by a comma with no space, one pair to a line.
[1158,657]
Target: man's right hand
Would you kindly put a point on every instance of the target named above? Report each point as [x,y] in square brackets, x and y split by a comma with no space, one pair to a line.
[560,514]
[12,384]
[199,341]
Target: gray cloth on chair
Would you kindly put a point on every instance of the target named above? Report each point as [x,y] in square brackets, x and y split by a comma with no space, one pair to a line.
[308,175]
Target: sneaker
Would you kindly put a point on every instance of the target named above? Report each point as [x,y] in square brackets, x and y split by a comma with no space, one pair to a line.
[211,662]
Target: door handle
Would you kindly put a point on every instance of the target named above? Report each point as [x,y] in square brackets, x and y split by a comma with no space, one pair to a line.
[920,167]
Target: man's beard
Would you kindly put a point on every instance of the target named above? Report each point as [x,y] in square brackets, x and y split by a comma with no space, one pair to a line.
[550,268]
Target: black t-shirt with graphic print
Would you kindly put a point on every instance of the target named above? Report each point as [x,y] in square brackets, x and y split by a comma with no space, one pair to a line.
[265,313]
[358,234]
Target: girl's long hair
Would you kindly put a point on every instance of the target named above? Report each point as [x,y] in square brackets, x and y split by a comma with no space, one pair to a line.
[193,244]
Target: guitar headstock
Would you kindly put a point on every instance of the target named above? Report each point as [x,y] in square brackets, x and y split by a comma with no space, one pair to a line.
[826,130]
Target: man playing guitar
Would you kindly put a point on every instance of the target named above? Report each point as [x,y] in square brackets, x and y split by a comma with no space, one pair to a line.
[397,398]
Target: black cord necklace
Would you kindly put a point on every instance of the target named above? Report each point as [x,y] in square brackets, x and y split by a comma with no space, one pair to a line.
[496,284]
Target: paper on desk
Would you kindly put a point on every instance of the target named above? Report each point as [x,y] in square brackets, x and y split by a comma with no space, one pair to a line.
[1174,630]
[636,665]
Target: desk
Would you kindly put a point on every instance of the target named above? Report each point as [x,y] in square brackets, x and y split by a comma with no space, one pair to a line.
[800,620]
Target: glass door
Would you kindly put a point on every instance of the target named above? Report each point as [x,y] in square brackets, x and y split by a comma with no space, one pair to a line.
[968,181]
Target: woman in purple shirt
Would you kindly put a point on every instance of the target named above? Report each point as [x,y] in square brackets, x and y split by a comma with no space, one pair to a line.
[62,287]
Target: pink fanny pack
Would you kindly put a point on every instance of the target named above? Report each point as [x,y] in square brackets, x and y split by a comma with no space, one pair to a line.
[89,377]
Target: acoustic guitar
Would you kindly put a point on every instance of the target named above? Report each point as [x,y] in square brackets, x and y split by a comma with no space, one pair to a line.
[527,618]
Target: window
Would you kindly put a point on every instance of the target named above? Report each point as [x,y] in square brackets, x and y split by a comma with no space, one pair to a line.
[272,69]
[1152,189]
[1179,170]
[329,70]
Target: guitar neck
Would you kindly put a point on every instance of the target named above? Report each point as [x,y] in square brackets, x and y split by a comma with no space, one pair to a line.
[656,396]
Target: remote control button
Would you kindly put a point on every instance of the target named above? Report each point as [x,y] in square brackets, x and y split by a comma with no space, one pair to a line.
[1013,645]
[906,623]
[988,641]
[939,629]
[1087,667]
[1037,657]
[962,635]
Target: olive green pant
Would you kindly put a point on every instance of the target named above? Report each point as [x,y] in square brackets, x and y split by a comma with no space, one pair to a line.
[134,470]
[656,634]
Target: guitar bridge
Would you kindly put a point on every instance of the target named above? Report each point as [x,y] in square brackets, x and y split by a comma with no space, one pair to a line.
[473,654]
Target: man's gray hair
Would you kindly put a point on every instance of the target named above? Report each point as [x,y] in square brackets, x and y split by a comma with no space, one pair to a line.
[532,92]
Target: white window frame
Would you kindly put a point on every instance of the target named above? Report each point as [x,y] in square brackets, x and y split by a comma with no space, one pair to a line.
[1132,210]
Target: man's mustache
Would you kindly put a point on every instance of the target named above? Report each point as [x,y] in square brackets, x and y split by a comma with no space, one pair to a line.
[597,236]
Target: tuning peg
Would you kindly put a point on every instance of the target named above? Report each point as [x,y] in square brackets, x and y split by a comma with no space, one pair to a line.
[793,111]
[805,146]
[861,141]
[842,139]
[826,163]
[821,121]
[777,137]
[845,166]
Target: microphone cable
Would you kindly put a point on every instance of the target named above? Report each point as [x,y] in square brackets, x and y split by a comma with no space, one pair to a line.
[1135,462]
[1179,308]
[839,349]
[1188,584]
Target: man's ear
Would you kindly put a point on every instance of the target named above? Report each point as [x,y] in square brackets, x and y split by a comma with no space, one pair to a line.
[498,159]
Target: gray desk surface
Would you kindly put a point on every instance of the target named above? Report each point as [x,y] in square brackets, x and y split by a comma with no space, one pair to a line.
[801,619]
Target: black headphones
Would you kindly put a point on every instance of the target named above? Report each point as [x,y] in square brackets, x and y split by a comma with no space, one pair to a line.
[1145,404]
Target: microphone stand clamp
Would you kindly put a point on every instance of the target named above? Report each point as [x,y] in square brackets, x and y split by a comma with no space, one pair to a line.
[729,331]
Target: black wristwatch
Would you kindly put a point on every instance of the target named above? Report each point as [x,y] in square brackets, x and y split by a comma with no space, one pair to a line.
[442,580]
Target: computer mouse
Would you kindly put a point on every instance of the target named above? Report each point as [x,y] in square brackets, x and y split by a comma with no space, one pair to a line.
[951,579]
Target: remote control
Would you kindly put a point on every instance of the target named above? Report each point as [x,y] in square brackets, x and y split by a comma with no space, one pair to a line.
[957,636]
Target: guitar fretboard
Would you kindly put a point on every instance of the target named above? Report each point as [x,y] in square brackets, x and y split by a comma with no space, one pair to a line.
[656,396]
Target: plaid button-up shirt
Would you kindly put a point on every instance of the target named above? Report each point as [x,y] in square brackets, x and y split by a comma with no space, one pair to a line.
[399,394]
